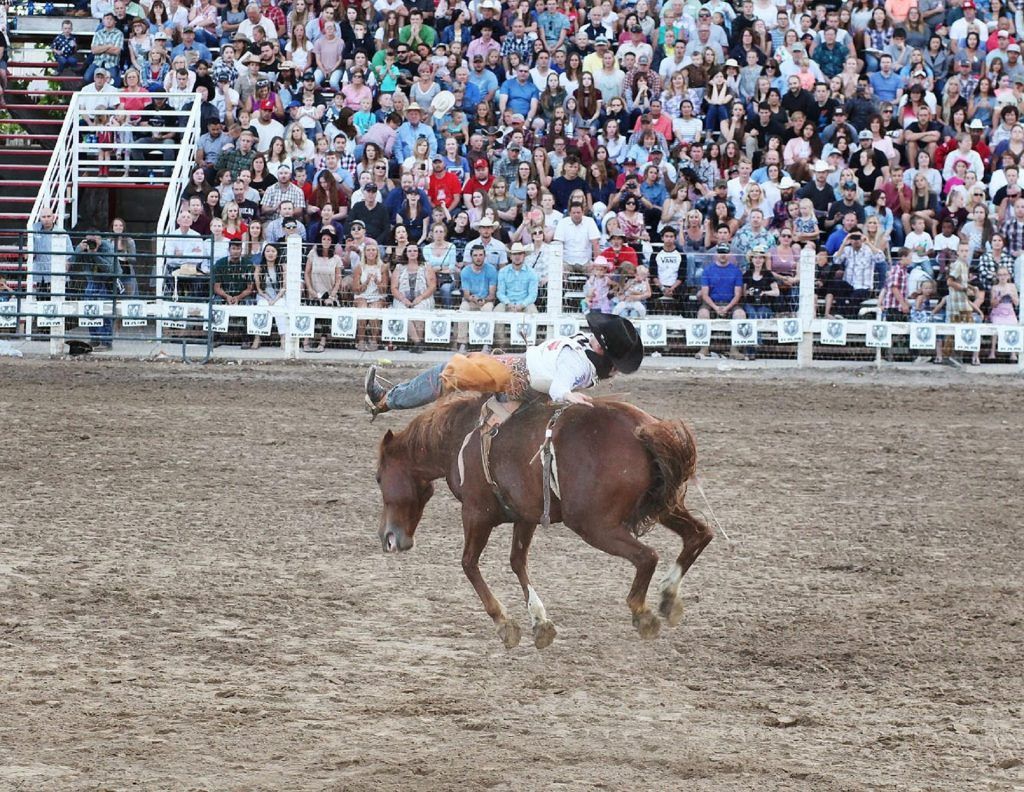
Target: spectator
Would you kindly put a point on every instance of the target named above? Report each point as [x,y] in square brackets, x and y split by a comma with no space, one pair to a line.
[124,249]
[47,244]
[853,281]
[94,258]
[233,276]
[370,290]
[517,289]
[599,287]
[286,222]
[579,237]
[413,286]
[636,291]
[106,46]
[323,278]
[721,293]
[370,212]
[760,290]
[479,283]
[284,190]
[65,48]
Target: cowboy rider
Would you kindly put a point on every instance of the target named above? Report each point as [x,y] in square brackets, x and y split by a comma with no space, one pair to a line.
[559,368]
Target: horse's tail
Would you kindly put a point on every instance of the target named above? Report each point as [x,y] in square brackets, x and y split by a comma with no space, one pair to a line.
[673,450]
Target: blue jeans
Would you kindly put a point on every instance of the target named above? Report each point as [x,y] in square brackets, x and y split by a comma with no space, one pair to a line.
[715,116]
[758,311]
[63,63]
[421,389]
[115,74]
[100,290]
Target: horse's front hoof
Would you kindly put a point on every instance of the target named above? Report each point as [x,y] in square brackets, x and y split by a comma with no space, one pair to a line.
[646,624]
[671,610]
[509,633]
[543,634]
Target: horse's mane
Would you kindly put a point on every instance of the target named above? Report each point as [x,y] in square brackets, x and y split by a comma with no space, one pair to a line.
[434,428]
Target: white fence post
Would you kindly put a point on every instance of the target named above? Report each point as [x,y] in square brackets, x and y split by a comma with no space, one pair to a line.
[58,287]
[556,273]
[805,352]
[293,292]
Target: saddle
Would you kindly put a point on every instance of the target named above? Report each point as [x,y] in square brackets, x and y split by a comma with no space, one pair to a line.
[493,415]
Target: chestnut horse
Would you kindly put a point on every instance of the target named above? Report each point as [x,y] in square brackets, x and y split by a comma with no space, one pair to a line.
[619,470]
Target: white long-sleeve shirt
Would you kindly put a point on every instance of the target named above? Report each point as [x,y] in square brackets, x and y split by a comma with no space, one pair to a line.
[561,366]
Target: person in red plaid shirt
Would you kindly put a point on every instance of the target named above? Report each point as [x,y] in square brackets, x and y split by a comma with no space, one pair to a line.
[893,297]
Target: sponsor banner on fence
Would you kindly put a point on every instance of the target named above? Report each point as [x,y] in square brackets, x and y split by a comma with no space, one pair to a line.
[437,331]
[90,313]
[653,334]
[176,316]
[302,325]
[9,314]
[133,313]
[522,332]
[566,329]
[1011,339]
[698,334]
[788,330]
[878,336]
[343,325]
[743,332]
[258,323]
[833,332]
[481,332]
[967,339]
[922,336]
[218,320]
[50,314]
[394,330]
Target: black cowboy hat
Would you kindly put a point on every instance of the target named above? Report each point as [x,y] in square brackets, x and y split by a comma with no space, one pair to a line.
[619,339]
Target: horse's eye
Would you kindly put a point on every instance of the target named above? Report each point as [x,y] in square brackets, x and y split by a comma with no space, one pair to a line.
[378,478]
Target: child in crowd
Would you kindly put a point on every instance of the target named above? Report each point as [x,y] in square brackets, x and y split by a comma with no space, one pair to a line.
[597,291]
[927,308]
[1005,301]
[65,48]
[805,227]
[365,118]
[308,115]
[385,105]
[636,290]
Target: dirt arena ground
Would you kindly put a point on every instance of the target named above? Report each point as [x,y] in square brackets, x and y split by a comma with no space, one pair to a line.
[192,596]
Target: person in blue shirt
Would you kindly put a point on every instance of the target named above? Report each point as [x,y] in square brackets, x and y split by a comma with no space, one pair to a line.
[519,94]
[479,283]
[887,84]
[653,193]
[721,292]
[483,78]
[190,45]
[553,25]
[409,132]
[517,289]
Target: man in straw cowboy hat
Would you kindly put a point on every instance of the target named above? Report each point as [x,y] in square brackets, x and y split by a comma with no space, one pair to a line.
[558,368]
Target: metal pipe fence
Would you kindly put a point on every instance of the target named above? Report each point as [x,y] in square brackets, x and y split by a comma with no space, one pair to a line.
[162,303]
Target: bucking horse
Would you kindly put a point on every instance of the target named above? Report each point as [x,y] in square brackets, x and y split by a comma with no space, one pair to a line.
[616,471]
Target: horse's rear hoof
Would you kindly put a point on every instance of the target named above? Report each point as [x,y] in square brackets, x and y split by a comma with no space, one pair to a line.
[509,633]
[671,610]
[647,624]
[543,634]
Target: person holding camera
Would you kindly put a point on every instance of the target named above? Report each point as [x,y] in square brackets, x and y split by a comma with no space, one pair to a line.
[95,260]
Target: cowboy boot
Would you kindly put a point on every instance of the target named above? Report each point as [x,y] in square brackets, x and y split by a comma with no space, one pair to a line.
[376,396]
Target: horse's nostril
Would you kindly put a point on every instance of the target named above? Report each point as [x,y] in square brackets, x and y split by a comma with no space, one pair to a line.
[390,542]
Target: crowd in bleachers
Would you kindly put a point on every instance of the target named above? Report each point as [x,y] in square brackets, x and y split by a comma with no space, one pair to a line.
[681,154]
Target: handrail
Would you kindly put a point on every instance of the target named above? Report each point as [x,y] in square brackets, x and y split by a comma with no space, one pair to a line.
[181,173]
[45,195]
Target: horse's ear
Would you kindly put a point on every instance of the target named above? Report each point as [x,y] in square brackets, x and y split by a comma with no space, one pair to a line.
[388,437]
